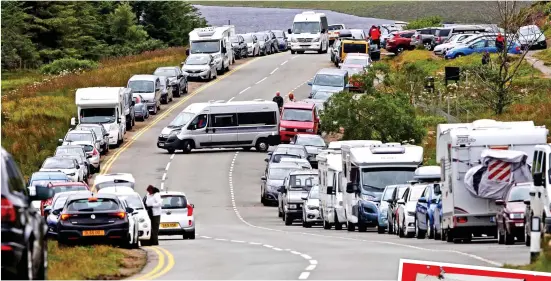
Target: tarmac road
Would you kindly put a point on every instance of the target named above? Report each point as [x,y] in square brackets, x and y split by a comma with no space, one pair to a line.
[237,237]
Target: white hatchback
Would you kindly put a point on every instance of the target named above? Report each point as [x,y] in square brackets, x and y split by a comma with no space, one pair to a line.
[177,215]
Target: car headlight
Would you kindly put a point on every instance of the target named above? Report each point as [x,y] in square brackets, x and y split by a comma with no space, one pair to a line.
[368,197]
[316,39]
[283,129]
[294,40]
[411,214]
[310,130]
[174,133]
[516,216]
[312,207]
[141,220]
[292,206]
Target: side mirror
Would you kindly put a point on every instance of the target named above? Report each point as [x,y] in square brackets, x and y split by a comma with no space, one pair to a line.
[133,103]
[47,211]
[500,202]
[106,134]
[390,201]
[329,190]
[263,178]
[401,202]
[304,197]
[41,193]
[527,202]
[289,31]
[538,179]
[323,30]
[192,127]
[60,141]
[433,201]
[78,166]
[56,212]
[187,52]
[281,189]
[73,121]
[129,210]
[309,83]
[351,187]
[422,200]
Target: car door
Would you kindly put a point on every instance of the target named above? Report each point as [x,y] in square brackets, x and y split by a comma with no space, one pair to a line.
[223,129]
[158,90]
[180,77]
[422,208]
[478,46]
[198,130]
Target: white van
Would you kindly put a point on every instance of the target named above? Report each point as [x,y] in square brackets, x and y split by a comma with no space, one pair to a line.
[150,88]
[541,172]
[212,124]
[309,33]
[103,105]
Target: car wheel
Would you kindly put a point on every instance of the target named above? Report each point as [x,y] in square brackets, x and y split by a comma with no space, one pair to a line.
[350,226]
[428,46]
[362,227]
[288,220]
[508,239]
[191,235]
[390,226]
[306,224]
[262,145]
[25,266]
[171,151]
[292,52]
[380,229]
[326,224]
[500,238]
[338,224]
[419,232]
[188,146]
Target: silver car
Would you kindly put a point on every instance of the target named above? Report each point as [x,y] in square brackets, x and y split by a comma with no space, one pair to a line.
[296,185]
[200,66]
[167,95]
[88,140]
[74,150]
[311,210]
[101,134]
[140,107]
[82,165]
[253,46]
[177,215]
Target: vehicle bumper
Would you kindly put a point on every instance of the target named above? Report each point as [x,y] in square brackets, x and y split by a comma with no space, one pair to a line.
[94,161]
[140,114]
[169,143]
[151,105]
[270,196]
[144,233]
[199,75]
[120,232]
[114,137]
[11,251]
[305,46]
[282,46]
[410,223]
[286,136]
[177,230]
[516,227]
[295,213]
[313,216]
[482,224]
[369,219]
[382,219]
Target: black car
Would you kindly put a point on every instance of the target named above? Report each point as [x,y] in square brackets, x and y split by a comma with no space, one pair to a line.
[23,228]
[101,218]
[281,39]
[239,47]
[176,79]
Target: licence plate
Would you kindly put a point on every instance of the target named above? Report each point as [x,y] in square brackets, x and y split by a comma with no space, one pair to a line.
[169,224]
[519,224]
[307,45]
[161,144]
[492,219]
[93,233]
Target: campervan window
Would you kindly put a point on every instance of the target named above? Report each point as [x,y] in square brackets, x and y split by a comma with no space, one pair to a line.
[97,115]
[257,118]
[223,120]
[205,47]
[306,27]
[376,179]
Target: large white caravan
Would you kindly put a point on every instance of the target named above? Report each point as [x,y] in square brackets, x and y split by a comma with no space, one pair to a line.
[366,173]
[103,105]
[309,33]
[541,171]
[458,150]
[213,40]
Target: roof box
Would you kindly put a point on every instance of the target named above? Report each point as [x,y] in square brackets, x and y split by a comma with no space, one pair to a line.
[388,150]
[428,173]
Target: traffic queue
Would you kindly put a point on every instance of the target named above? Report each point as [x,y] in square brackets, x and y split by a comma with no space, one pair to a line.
[481,189]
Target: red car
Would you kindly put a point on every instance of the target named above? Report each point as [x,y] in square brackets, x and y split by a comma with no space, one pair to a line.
[298,117]
[400,42]
[59,187]
[510,218]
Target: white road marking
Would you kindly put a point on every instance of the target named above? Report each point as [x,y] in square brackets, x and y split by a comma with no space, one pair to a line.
[304,275]
[255,243]
[172,156]
[274,70]
[167,166]
[220,239]
[306,256]
[261,80]
[237,241]
[207,237]
[313,262]
[268,246]
[294,57]
[284,62]
[164,176]
[162,185]
[295,253]
[277,249]
[244,90]
[231,99]
[311,267]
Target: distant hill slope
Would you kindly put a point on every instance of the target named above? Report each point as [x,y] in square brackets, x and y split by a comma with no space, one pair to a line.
[450,11]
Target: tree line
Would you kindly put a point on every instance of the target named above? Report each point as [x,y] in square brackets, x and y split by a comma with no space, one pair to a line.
[36,33]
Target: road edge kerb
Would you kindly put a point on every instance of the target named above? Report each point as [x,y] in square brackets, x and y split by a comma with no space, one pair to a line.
[153,264]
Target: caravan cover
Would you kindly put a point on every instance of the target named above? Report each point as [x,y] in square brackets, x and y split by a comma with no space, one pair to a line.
[499,170]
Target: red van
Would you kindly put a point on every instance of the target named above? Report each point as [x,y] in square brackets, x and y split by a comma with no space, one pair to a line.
[298,117]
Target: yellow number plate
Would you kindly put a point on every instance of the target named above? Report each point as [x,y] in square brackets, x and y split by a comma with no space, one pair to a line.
[93,233]
[169,224]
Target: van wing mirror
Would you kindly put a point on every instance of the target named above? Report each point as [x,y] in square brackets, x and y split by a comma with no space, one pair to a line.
[304,197]
[289,31]
[500,202]
[538,179]
[437,189]
[351,187]
[422,200]
[56,212]
[73,121]
[329,190]
[401,202]
[527,202]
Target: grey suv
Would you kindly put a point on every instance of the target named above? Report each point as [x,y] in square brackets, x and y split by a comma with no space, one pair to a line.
[424,37]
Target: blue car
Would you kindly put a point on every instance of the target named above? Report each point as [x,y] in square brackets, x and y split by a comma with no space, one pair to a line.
[383,208]
[425,209]
[480,46]
[52,212]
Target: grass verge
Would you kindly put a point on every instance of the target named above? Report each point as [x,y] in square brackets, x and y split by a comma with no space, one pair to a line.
[98,262]
[545,56]
[472,11]
[35,115]
[543,263]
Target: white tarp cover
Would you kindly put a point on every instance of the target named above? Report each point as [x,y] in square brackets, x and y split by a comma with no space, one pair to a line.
[499,170]
[462,277]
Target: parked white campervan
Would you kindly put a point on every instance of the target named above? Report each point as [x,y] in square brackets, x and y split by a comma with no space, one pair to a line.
[541,172]
[366,173]
[459,148]
[309,33]
[103,105]
[331,192]
[213,40]
[244,124]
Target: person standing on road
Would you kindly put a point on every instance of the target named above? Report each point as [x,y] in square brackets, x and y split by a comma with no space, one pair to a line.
[279,100]
[154,202]
[291,97]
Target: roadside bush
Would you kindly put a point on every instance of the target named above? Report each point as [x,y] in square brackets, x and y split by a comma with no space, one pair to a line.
[67,65]
[429,21]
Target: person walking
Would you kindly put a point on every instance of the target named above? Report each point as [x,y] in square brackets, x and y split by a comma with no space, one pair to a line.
[291,97]
[500,42]
[153,203]
[376,37]
[279,100]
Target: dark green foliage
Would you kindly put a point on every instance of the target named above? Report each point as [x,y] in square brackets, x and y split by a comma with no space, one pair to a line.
[40,32]
[430,21]
[67,65]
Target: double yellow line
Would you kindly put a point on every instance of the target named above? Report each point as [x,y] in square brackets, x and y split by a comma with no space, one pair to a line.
[160,269]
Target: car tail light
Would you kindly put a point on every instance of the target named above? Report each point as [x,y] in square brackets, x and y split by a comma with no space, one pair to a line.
[8,211]
[120,215]
[6,248]
[517,48]
[64,217]
[95,152]
[189,210]
[418,36]
[189,223]
[93,199]
[461,220]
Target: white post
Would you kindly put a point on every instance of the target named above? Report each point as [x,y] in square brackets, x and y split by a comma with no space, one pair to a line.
[535,223]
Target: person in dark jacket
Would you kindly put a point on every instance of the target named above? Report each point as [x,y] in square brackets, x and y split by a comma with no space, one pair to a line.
[279,100]
[486,58]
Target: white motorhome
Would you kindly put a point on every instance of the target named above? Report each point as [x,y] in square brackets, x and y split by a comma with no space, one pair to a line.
[366,173]
[331,192]
[459,148]
[309,33]
[103,105]
[541,172]
[212,124]
[213,40]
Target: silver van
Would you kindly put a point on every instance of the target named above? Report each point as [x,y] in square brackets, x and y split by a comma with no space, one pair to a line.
[150,88]
[212,124]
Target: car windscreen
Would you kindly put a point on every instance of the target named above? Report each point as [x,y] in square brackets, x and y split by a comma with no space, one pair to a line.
[182,119]
[442,32]
[248,38]
[329,80]
[45,182]
[279,173]
[335,27]
[174,202]
[142,86]
[66,188]
[375,180]
[97,115]
[519,194]
[310,141]
[303,181]
[321,95]
[314,192]
[97,130]
[133,200]
[96,205]
[296,114]
[306,27]
[64,150]
[112,184]
[388,193]
[277,157]
[168,72]
[278,33]
[205,47]
[416,192]
[260,36]
[352,70]
[529,30]
[197,60]
[60,202]
[58,163]
[78,137]
[354,48]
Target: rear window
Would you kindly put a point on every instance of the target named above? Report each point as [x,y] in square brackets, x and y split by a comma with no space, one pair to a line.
[174,202]
[442,32]
[66,188]
[355,48]
[88,148]
[300,181]
[62,150]
[277,158]
[133,200]
[335,27]
[406,35]
[99,205]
